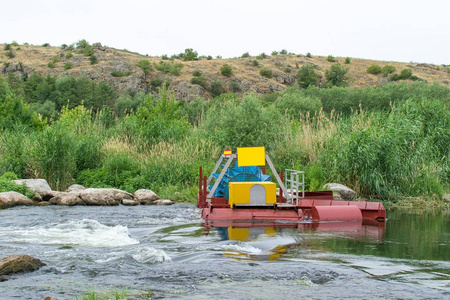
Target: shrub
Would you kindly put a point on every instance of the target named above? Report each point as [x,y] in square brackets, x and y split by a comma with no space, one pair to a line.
[308,55]
[7,47]
[10,54]
[374,69]
[226,70]
[68,66]
[63,46]
[155,83]
[169,67]
[287,70]
[165,57]
[347,60]
[246,54]
[261,56]
[51,64]
[266,73]
[69,55]
[235,87]
[216,89]
[330,58]
[255,63]
[386,70]
[274,53]
[283,52]
[189,55]
[197,73]
[307,76]
[93,59]
[116,73]
[405,73]
[336,76]
[46,45]
[7,185]
[200,80]
[145,66]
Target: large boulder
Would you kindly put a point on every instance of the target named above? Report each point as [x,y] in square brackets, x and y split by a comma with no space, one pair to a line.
[145,197]
[10,199]
[48,195]
[75,188]
[104,196]
[36,185]
[340,191]
[12,264]
[68,199]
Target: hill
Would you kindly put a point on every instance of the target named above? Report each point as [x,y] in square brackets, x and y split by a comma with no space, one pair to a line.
[123,69]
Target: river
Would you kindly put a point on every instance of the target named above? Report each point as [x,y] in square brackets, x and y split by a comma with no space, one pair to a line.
[169,251]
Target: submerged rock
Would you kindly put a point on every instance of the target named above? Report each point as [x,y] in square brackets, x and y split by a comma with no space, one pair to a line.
[104,196]
[10,199]
[130,202]
[342,192]
[145,197]
[164,202]
[12,264]
[36,185]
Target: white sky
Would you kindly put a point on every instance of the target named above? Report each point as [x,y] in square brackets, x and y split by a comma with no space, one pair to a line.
[393,30]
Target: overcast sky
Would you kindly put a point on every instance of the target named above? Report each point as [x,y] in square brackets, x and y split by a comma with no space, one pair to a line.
[394,30]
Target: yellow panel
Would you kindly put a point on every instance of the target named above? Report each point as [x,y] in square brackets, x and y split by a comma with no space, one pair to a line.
[239,192]
[251,156]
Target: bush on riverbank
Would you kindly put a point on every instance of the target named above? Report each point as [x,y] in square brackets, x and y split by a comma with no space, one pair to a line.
[386,142]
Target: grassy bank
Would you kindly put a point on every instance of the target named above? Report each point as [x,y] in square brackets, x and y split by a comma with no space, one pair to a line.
[387,143]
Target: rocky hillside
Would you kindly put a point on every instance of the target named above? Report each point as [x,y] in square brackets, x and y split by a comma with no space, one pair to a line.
[126,70]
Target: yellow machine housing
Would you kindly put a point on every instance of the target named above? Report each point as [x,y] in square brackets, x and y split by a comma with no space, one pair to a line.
[252,193]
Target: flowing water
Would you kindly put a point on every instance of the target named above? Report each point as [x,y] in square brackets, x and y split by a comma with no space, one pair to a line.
[169,251]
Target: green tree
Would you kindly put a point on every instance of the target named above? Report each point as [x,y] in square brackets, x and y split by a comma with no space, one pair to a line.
[307,76]
[336,76]
[189,55]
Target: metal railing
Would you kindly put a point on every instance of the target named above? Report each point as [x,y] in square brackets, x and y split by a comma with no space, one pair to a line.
[293,184]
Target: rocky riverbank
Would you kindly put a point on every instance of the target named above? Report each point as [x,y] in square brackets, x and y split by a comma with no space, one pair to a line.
[78,195]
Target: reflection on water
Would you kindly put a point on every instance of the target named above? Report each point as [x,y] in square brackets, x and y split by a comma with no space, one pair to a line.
[171,251]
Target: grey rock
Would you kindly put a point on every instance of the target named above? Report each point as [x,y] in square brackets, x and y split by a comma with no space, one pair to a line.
[37,185]
[104,196]
[12,264]
[130,202]
[68,199]
[164,202]
[46,196]
[145,196]
[75,187]
[10,199]
[446,197]
[343,192]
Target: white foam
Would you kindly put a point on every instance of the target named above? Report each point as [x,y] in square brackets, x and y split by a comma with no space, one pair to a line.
[242,248]
[86,232]
[148,255]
